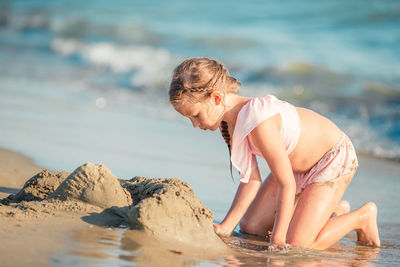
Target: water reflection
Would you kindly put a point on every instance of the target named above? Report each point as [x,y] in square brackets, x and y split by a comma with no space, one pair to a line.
[253,251]
[102,246]
[94,244]
[99,245]
[146,250]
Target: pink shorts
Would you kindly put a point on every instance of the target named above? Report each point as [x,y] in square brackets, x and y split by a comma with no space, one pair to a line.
[338,161]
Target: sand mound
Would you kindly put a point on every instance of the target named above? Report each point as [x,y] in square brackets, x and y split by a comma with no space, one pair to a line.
[165,208]
[40,186]
[169,209]
[93,184]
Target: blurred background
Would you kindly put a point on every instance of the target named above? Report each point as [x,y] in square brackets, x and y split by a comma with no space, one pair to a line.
[88,80]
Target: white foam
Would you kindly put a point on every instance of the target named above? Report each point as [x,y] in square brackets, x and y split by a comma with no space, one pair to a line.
[66,47]
[152,67]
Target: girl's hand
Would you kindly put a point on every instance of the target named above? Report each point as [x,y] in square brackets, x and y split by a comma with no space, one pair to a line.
[221,230]
[278,246]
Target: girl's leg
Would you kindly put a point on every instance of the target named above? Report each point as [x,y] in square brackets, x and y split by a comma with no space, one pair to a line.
[311,227]
[260,216]
[342,208]
[315,206]
[362,220]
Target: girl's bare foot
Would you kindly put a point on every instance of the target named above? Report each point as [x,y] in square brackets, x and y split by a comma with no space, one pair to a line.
[368,233]
[342,208]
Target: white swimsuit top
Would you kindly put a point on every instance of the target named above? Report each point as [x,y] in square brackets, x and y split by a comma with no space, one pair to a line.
[249,117]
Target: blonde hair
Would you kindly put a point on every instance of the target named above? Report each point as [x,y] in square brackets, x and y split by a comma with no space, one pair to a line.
[196,78]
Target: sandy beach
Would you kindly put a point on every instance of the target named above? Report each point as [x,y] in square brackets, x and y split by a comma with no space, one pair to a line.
[52,236]
[52,229]
[29,241]
[88,82]
[15,168]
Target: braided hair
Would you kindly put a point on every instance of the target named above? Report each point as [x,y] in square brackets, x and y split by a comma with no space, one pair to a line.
[195,79]
[225,134]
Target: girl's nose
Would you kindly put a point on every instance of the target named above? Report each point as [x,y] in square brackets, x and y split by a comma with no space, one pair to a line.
[195,123]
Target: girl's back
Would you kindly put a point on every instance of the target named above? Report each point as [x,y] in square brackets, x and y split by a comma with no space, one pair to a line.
[318,135]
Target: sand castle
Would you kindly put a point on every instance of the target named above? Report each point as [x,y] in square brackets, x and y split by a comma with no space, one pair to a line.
[165,208]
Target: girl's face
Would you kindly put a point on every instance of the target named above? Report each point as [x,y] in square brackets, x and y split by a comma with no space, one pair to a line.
[205,115]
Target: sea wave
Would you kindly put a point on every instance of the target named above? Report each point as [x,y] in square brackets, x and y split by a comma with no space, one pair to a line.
[151,67]
[368,111]
[374,130]
[353,80]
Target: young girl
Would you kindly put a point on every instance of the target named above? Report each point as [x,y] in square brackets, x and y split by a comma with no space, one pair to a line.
[311,161]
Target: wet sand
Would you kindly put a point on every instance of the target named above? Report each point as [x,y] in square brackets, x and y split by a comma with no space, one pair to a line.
[14,169]
[42,235]
[30,241]
[41,219]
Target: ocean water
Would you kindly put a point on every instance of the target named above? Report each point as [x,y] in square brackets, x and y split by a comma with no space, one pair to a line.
[88,81]
[341,59]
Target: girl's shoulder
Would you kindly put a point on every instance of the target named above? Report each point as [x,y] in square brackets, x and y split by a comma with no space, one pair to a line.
[258,109]
[255,111]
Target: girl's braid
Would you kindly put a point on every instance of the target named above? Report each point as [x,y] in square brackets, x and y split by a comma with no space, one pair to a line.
[225,134]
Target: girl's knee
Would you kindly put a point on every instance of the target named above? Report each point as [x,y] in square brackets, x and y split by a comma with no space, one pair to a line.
[342,208]
[344,205]
[298,241]
[250,227]
[246,227]
[299,238]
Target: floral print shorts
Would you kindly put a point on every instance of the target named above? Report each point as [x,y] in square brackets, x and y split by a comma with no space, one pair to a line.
[338,161]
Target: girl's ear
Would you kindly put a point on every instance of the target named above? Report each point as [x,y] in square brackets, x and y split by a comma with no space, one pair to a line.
[216,97]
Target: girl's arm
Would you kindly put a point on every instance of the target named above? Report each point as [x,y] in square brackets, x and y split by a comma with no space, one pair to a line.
[266,136]
[244,196]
